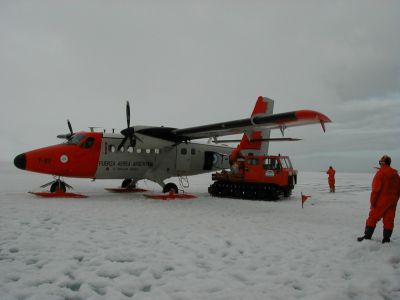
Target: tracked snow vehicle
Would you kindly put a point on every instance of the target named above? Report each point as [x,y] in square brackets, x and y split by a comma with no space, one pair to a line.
[256,178]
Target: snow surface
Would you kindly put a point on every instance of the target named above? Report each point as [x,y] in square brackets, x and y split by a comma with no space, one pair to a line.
[123,246]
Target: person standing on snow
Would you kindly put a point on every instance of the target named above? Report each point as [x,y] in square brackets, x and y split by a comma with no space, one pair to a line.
[331,179]
[384,197]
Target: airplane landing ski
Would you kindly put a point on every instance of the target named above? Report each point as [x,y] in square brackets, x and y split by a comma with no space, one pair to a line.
[58,194]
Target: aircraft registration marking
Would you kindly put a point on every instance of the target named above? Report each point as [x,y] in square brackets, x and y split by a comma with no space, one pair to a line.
[44,160]
[125,163]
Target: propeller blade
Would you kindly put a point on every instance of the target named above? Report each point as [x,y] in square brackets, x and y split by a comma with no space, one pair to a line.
[128,114]
[128,132]
[67,135]
[132,142]
[122,143]
[64,136]
[70,127]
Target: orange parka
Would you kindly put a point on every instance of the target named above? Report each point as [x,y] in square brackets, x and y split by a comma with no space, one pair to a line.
[331,177]
[384,197]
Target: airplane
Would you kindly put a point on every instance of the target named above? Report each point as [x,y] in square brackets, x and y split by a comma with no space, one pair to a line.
[158,153]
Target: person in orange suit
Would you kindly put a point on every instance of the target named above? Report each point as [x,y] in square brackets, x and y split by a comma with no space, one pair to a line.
[385,194]
[331,179]
[233,160]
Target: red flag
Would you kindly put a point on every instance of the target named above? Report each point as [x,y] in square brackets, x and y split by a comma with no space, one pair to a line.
[304,199]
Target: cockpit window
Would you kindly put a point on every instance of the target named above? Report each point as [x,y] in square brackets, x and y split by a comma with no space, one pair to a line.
[88,143]
[75,139]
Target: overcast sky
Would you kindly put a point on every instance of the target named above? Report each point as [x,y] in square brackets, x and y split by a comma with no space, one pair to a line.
[188,63]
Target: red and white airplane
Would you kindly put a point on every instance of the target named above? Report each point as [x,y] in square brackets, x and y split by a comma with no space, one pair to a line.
[159,153]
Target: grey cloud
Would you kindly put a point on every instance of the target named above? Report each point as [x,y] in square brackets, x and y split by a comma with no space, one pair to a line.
[191,63]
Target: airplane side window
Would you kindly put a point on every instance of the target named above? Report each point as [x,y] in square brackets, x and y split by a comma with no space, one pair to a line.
[130,149]
[138,150]
[193,151]
[148,151]
[122,149]
[184,151]
[111,148]
[157,151]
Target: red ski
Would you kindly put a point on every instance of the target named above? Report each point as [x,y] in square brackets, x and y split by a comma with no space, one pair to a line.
[58,194]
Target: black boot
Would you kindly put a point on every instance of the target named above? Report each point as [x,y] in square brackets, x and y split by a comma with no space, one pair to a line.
[387,233]
[369,231]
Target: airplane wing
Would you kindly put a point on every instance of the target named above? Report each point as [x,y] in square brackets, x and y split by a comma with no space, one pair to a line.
[277,121]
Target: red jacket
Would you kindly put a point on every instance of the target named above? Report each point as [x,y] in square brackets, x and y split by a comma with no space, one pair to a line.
[331,173]
[385,187]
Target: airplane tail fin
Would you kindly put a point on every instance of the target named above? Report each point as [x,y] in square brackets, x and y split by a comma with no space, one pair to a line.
[255,145]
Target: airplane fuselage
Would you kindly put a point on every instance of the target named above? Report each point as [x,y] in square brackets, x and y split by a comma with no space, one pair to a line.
[96,155]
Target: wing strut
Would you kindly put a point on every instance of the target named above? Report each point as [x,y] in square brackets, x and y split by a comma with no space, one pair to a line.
[282,129]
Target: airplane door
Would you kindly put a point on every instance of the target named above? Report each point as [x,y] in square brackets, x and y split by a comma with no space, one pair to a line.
[183,159]
[85,159]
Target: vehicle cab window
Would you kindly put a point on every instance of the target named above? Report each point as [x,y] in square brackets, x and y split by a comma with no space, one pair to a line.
[288,163]
[284,164]
[252,161]
[271,164]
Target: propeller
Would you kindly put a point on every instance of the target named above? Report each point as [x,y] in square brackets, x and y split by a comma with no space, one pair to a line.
[129,132]
[68,135]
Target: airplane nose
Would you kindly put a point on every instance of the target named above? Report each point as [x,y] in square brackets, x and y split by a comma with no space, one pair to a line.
[20,161]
